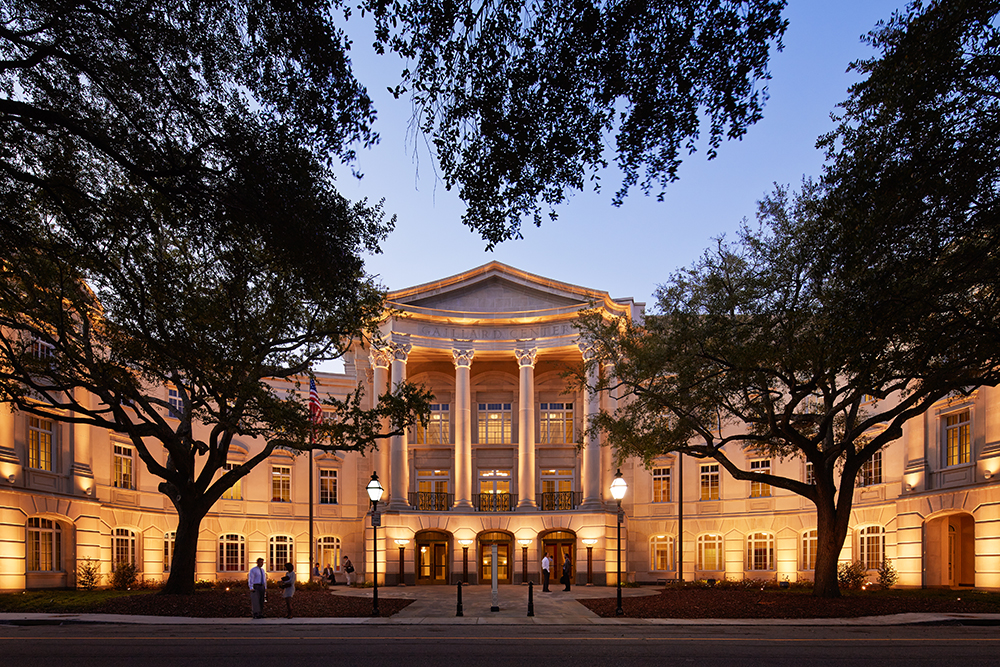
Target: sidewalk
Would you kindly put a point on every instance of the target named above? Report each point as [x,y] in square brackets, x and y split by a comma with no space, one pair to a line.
[437,605]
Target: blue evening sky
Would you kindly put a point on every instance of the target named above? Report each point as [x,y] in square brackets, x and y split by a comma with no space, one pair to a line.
[625,251]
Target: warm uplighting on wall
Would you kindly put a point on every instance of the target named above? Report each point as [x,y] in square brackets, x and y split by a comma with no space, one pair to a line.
[402,543]
[589,541]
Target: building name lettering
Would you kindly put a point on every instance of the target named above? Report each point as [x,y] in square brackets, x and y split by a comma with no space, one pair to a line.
[491,333]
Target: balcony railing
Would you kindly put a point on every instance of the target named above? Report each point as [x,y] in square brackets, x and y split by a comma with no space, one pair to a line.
[431,502]
[555,501]
[494,502]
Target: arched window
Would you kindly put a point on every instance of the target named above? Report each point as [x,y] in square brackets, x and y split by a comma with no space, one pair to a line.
[809,544]
[168,549]
[123,547]
[710,553]
[661,553]
[871,546]
[281,550]
[44,545]
[232,553]
[760,551]
[328,552]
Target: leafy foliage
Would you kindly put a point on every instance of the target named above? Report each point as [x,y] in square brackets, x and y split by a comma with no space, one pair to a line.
[88,574]
[852,575]
[887,575]
[124,577]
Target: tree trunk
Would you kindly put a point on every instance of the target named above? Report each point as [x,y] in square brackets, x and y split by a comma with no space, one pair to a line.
[182,567]
[831,530]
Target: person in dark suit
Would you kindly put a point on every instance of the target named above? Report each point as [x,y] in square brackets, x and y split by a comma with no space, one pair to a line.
[567,568]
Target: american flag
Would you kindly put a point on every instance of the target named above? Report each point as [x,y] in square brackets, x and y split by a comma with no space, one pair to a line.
[315,407]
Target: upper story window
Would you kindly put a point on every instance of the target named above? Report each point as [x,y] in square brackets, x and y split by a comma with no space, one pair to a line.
[760,489]
[124,465]
[42,350]
[494,423]
[871,471]
[810,473]
[176,408]
[40,438]
[555,422]
[661,485]
[494,481]
[235,492]
[44,545]
[710,481]
[327,487]
[281,485]
[438,429]
[956,435]
[436,481]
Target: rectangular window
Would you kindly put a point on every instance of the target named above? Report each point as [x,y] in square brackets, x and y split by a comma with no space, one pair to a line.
[871,471]
[555,422]
[662,553]
[760,489]
[494,424]
[710,481]
[956,432]
[124,464]
[327,487]
[42,350]
[809,544]
[438,429]
[176,404]
[44,545]
[122,547]
[168,549]
[40,433]
[760,551]
[232,553]
[871,546]
[661,485]
[281,484]
[436,481]
[710,553]
[235,492]
[810,473]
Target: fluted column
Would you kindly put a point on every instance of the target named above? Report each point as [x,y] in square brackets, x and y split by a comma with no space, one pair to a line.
[380,358]
[463,427]
[526,428]
[591,445]
[400,483]
[610,399]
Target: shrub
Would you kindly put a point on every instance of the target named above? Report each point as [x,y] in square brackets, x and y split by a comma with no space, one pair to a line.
[887,575]
[88,574]
[124,577]
[852,575]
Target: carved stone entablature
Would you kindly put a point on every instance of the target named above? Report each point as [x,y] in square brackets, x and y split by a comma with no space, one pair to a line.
[525,356]
[381,357]
[463,358]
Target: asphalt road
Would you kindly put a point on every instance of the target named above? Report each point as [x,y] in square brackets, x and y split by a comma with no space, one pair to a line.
[437,645]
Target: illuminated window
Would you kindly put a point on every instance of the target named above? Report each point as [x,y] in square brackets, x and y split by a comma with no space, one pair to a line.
[760,551]
[44,545]
[760,489]
[42,350]
[124,464]
[232,553]
[710,553]
[438,429]
[956,432]
[40,432]
[661,553]
[871,471]
[809,545]
[661,485]
[710,481]
[328,552]
[557,489]
[175,402]
[168,549]
[555,422]
[122,547]
[235,492]
[281,485]
[494,424]
[436,481]
[871,546]
[328,487]
[281,550]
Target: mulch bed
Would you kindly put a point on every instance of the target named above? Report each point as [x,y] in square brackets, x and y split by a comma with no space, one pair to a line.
[236,604]
[775,603]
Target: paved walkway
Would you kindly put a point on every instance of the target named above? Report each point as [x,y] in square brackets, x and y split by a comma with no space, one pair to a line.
[435,605]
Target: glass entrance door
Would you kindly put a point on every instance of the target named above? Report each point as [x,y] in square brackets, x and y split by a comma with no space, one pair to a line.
[504,544]
[432,558]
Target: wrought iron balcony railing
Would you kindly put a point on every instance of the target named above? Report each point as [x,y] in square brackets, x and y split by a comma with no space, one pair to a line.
[494,502]
[555,501]
[431,502]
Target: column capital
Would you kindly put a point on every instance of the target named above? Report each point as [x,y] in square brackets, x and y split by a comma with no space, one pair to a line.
[462,358]
[380,357]
[525,356]
[586,349]
[400,351]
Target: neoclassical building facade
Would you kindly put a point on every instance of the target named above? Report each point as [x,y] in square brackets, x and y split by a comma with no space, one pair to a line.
[504,461]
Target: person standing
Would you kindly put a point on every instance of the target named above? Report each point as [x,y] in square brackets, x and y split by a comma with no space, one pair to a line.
[546,567]
[258,585]
[567,568]
[349,571]
[288,587]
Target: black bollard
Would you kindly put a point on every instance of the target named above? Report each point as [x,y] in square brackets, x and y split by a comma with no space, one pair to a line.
[531,599]
[459,611]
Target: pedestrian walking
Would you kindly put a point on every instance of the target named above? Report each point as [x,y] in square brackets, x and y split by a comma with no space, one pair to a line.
[349,571]
[546,568]
[288,587]
[567,568]
[257,580]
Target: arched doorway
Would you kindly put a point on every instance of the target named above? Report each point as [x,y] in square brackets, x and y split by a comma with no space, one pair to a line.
[558,544]
[950,550]
[432,557]
[505,545]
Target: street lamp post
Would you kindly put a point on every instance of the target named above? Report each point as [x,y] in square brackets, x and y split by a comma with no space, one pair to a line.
[375,490]
[618,488]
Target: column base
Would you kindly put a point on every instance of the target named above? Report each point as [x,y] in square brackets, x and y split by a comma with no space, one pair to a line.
[592,505]
[527,506]
[397,504]
[463,505]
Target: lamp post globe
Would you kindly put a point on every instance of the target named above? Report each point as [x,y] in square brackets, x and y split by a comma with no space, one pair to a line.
[375,490]
[618,489]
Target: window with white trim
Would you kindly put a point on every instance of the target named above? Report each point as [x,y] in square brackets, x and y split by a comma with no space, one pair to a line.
[871,471]
[124,464]
[41,350]
[41,434]
[328,552]
[122,547]
[661,485]
[810,473]
[760,489]
[436,481]
[175,403]
[871,546]
[555,422]
[327,487]
[234,492]
[810,543]
[661,553]
[710,553]
[956,436]
[494,424]
[169,538]
[281,485]
[44,550]
[281,550]
[709,481]
[232,553]
[760,551]
[438,429]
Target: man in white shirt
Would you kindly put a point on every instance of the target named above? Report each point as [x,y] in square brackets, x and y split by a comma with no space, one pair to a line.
[258,584]
[546,564]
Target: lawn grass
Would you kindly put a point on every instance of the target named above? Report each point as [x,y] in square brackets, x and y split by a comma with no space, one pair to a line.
[58,600]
